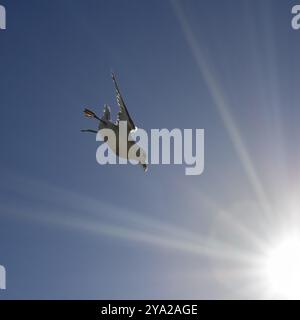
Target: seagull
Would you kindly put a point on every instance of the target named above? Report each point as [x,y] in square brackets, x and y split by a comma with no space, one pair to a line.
[106,123]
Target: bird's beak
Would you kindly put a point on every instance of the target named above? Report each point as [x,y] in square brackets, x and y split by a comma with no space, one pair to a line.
[145,167]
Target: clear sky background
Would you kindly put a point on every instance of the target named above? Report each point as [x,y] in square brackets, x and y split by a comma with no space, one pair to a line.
[70,228]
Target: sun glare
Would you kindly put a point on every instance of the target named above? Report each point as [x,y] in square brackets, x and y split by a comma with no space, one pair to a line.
[282,268]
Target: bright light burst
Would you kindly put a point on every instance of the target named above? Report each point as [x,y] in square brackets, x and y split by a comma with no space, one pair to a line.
[256,267]
[282,268]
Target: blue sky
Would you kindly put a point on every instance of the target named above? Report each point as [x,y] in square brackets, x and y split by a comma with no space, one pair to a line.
[70,228]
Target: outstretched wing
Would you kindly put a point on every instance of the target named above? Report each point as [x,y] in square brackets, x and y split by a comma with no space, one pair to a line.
[123,114]
[106,113]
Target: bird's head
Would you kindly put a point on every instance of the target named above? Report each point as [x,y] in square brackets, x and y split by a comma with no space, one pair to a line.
[145,166]
[143,159]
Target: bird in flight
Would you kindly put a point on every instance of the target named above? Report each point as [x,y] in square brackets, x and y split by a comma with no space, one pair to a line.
[106,123]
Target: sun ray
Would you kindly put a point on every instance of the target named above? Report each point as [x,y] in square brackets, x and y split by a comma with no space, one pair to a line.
[222,106]
[145,230]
